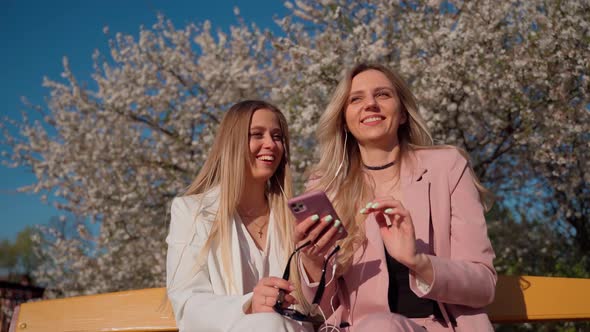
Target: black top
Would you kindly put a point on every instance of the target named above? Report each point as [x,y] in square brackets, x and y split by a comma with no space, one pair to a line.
[401,298]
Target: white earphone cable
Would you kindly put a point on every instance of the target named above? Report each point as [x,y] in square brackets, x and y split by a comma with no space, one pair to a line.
[341,162]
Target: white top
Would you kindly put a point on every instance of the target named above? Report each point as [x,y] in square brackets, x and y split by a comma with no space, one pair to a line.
[254,261]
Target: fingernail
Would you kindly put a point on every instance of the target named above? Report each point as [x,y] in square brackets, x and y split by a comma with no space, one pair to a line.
[368,206]
[388,211]
[363,211]
[341,230]
[337,223]
[374,206]
[315,217]
[328,219]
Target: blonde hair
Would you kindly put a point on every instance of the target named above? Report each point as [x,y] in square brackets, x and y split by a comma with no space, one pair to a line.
[225,168]
[349,188]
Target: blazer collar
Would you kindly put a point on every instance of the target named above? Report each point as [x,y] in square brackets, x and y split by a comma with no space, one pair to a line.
[210,203]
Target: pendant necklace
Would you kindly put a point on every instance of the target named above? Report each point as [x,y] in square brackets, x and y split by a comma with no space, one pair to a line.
[260,228]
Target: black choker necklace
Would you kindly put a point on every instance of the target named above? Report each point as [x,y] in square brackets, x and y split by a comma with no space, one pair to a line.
[378,168]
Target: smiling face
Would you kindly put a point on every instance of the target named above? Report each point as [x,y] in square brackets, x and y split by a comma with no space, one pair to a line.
[266,145]
[373,111]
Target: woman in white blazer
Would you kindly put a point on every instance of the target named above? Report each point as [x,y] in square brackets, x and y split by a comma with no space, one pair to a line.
[230,233]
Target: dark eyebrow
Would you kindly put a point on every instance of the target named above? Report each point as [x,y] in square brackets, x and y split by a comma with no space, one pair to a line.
[379,88]
[273,130]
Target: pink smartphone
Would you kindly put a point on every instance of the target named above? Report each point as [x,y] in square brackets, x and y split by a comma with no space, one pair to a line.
[315,202]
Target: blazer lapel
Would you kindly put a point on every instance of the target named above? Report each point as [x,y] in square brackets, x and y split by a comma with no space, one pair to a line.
[208,212]
[416,199]
[220,277]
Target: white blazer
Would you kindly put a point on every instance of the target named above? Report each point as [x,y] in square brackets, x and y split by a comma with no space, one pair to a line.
[199,291]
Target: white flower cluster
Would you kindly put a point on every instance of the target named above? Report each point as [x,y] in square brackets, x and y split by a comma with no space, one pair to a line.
[506,80]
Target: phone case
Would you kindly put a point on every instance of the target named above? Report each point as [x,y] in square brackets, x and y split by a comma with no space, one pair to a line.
[315,202]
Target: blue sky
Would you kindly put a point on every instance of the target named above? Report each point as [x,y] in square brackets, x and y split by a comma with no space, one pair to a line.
[36,34]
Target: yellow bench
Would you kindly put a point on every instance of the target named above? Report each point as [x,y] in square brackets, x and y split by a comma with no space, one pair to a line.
[518,299]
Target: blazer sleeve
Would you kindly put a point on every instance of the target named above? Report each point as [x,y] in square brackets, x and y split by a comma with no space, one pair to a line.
[468,276]
[188,282]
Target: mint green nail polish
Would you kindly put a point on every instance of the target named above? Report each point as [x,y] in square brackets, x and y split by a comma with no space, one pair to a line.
[315,217]
[374,206]
[389,211]
[328,219]
[363,211]
[368,206]
[337,223]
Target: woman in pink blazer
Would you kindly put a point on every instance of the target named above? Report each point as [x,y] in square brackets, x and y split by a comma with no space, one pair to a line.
[418,256]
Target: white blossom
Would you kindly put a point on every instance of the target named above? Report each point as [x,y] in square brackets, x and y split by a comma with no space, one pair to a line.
[502,79]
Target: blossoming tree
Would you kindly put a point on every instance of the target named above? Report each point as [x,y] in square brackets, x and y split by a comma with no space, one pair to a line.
[507,81]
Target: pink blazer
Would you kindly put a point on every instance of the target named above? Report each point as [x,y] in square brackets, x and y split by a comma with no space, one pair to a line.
[437,184]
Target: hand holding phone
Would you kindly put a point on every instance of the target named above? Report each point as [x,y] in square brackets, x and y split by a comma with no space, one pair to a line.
[317,203]
[321,232]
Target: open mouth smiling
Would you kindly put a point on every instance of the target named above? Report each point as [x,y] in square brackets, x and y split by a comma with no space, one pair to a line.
[266,157]
[372,119]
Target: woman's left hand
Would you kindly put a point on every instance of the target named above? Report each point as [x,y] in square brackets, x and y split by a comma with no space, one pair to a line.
[397,234]
[399,237]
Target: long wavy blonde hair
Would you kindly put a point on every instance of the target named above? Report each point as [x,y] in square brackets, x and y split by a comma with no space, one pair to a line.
[348,187]
[225,168]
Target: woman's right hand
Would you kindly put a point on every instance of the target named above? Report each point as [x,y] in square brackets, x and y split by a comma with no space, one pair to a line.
[310,229]
[266,292]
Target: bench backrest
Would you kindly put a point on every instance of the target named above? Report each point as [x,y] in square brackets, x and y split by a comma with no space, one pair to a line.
[518,299]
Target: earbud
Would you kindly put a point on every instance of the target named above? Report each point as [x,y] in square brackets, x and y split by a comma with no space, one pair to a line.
[334,264]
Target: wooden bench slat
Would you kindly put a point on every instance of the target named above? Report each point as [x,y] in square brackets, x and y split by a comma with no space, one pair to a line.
[528,298]
[518,299]
[137,310]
